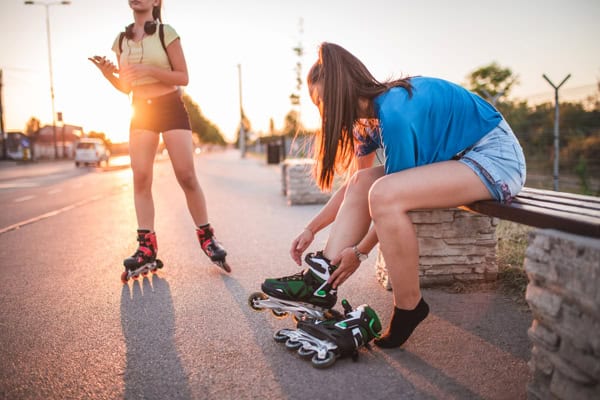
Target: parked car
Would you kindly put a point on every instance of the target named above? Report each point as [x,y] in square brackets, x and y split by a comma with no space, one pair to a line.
[91,151]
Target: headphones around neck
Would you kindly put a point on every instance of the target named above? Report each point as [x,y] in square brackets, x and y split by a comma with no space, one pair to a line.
[149,29]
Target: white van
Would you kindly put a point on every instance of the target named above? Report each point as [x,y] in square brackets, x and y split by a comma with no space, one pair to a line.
[90,151]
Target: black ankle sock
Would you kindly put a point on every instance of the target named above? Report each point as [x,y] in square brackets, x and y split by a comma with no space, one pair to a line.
[204,226]
[402,325]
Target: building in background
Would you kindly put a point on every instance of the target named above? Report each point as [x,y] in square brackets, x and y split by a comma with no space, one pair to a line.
[66,138]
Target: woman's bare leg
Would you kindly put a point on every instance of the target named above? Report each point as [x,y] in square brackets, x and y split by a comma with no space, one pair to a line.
[439,185]
[180,146]
[353,220]
[142,149]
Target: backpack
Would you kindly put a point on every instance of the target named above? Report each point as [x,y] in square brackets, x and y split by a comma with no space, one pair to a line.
[161,35]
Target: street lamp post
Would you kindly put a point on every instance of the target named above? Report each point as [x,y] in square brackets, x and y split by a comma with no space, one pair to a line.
[556,126]
[47,6]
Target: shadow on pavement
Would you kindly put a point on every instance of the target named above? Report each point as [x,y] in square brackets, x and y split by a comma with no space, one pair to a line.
[153,367]
[372,376]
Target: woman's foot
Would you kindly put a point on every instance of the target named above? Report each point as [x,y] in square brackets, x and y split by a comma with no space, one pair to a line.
[402,325]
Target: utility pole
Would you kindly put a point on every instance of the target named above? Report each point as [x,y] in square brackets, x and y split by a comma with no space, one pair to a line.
[46,6]
[2,131]
[556,127]
[242,129]
[299,50]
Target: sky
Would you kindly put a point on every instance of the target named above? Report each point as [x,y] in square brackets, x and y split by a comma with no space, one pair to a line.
[445,39]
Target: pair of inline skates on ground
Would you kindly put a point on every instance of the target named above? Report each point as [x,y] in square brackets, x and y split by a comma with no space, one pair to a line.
[322,334]
[144,259]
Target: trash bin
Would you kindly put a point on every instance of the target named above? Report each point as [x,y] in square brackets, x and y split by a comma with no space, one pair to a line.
[273,153]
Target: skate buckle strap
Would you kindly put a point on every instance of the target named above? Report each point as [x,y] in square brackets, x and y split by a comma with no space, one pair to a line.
[145,250]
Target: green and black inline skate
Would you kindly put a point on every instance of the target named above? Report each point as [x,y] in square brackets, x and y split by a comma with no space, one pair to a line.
[305,294]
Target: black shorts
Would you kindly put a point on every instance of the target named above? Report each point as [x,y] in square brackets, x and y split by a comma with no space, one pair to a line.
[160,114]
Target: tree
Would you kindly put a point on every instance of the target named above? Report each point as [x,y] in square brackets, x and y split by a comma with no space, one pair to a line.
[292,125]
[32,126]
[492,81]
[206,131]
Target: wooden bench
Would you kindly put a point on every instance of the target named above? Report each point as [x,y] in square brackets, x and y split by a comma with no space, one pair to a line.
[563,266]
[546,209]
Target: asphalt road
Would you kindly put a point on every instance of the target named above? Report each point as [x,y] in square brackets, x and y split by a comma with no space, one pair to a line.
[69,329]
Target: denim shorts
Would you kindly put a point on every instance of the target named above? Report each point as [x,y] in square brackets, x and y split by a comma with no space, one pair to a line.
[498,160]
[160,114]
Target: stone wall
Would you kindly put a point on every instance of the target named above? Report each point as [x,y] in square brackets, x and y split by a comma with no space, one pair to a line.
[454,245]
[564,296]
[298,183]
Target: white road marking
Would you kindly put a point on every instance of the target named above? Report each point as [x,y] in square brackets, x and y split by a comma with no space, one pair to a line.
[17,185]
[48,214]
[24,198]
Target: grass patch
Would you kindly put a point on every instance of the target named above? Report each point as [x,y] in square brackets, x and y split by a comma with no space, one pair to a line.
[512,243]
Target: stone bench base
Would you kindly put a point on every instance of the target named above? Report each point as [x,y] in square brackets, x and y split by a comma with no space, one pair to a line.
[564,296]
[298,183]
[454,246]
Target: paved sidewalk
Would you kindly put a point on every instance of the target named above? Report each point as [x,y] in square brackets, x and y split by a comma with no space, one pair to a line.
[192,324]
[473,345]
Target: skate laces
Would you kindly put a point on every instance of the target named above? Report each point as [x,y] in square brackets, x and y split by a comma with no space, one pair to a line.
[295,277]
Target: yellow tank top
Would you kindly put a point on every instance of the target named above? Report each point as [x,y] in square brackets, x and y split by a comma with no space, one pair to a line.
[148,51]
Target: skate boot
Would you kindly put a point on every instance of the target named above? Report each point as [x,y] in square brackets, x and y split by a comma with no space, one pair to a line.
[144,259]
[305,294]
[211,247]
[325,341]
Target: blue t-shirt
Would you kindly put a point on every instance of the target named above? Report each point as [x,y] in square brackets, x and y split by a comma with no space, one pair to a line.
[437,122]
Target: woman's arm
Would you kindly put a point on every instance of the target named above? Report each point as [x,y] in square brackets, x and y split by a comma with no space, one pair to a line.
[109,71]
[326,215]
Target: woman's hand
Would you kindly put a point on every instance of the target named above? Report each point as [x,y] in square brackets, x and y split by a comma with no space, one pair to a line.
[132,72]
[104,65]
[347,264]
[301,243]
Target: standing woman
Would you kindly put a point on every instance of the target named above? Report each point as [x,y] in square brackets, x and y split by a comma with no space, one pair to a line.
[151,68]
[444,147]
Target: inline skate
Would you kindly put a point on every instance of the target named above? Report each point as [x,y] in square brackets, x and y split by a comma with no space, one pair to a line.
[144,259]
[323,342]
[211,247]
[305,294]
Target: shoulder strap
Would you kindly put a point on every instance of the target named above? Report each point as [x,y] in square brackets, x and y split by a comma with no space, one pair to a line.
[161,35]
[121,37]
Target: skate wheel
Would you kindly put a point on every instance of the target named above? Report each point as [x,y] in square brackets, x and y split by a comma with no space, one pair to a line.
[159,264]
[333,314]
[145,274]
[223,265]
[325,362]
[124,277]
[279,314]
[280,337]
[254,298]
[292,344]
[306,353]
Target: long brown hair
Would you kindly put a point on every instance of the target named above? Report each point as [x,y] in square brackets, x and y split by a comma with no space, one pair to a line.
[345,80]
[156,12]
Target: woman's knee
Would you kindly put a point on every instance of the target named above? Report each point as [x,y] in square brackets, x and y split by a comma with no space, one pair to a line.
[187,180]
[384,201]
[142,181]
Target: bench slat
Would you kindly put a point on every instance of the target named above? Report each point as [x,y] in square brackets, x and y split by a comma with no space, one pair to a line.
[533,216]
[574,209]
[588,202]
[547,209]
